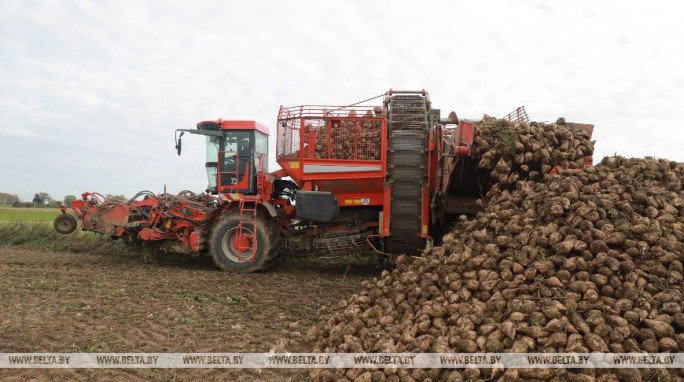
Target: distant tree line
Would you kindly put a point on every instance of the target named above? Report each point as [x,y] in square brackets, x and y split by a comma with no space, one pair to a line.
[43,199]
[8,199]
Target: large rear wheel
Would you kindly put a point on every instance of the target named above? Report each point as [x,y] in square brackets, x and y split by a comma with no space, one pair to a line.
[232,252]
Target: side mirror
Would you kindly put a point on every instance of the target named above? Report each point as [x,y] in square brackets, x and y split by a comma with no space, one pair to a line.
[179,143]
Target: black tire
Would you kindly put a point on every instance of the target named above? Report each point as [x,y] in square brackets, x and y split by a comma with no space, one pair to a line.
[275,242]
[226,256]
[65,224]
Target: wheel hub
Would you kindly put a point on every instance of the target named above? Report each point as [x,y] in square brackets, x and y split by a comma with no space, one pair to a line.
[237,247]
[242,242]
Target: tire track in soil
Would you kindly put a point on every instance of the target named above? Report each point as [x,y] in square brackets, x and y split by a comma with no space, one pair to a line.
[80,302]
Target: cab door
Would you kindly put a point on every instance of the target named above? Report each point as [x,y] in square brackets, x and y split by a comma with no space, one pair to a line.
[236,163]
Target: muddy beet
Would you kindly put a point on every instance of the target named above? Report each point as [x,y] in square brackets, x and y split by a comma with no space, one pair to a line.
[587,260]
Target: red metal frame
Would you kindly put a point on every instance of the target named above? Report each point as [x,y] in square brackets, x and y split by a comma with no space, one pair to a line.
[168,217]
[355,181]
[518,115]
[232,193]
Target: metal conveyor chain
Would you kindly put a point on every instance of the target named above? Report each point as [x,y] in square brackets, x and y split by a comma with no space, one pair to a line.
[407,171]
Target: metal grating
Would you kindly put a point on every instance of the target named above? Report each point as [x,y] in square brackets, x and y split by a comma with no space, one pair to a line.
[518,115]
[407,171]
[329,133]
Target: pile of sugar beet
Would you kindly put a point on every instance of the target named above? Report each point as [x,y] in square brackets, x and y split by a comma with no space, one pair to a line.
[589,260]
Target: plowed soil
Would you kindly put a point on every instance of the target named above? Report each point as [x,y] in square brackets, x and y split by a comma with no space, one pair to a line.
[84,302]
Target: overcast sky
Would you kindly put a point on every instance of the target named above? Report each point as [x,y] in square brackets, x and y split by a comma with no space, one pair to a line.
[92,91]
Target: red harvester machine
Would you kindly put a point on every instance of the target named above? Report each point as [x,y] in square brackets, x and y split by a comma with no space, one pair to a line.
[360,178]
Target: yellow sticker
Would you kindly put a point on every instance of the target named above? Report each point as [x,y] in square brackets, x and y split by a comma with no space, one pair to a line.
[363,201]
[294,164]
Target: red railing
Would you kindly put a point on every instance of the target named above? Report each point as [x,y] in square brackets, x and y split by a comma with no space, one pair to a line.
[518,115]
[329,132]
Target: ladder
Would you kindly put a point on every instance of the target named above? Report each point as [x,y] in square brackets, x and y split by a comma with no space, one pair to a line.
[246,232]
[247,228]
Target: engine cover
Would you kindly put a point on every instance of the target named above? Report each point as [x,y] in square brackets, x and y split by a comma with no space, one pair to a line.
[316,206]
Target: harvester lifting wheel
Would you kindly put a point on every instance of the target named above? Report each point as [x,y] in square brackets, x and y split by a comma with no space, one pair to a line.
[232,251]
[65,224]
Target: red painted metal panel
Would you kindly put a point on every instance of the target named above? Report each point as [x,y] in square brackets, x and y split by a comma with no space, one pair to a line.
[466,134]
[386,210]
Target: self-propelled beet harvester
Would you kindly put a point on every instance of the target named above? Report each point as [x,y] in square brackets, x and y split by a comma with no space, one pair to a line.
[352,179]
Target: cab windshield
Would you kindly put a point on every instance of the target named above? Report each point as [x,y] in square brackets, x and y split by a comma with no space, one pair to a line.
[236,142]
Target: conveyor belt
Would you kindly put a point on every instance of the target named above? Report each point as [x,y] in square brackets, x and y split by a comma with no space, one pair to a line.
[407,171]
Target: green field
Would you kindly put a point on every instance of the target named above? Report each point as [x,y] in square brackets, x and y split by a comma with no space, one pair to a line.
[28,214]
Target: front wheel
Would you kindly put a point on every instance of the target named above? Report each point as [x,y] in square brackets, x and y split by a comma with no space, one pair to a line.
[231,252]
[65,224]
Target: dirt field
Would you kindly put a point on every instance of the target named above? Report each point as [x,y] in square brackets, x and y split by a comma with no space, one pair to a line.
[69,302]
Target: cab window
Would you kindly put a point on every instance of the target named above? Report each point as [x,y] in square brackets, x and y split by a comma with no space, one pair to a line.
[261,150]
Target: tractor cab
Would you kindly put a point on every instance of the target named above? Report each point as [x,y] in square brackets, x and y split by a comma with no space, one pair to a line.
[235,152]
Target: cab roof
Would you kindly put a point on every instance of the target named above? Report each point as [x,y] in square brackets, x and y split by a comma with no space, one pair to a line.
[232,125]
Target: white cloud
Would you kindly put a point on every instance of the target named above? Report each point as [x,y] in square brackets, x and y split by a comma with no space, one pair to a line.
[92,91]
